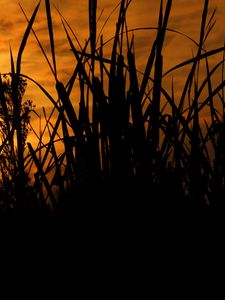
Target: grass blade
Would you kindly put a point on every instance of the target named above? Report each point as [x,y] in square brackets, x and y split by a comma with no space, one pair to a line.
[25,37]
[51,35]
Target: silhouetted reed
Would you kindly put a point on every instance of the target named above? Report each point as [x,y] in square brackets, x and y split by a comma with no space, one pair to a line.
[131,147]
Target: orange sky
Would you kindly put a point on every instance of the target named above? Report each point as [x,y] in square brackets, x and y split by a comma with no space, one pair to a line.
[185,17]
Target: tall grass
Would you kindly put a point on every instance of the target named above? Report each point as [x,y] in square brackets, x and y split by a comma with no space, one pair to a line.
[131,146]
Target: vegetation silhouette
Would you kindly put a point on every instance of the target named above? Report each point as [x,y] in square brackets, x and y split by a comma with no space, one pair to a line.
[132,150]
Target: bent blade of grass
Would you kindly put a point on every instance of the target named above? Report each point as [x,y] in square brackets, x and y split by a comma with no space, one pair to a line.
[44,91]
[51,35]
[195,59]
[24,40]
[132,30]
[38,41]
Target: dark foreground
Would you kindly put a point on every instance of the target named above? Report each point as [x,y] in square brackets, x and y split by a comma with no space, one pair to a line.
[117,215]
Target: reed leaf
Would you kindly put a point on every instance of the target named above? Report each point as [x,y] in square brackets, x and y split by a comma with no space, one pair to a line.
[51,35]
[25,37]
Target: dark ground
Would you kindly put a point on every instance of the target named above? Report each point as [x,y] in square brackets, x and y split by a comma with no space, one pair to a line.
[114,219]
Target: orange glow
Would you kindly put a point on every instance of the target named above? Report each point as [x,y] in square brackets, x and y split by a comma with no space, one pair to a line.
[185,17]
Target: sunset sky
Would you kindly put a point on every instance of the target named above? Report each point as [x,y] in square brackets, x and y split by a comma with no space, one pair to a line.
[185,17]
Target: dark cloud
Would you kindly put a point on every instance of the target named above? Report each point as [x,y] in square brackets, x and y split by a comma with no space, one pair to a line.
[6,25]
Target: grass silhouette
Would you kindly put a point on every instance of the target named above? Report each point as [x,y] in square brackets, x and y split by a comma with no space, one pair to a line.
[131,149]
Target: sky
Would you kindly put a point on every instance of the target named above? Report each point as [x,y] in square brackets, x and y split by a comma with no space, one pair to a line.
[185,17]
